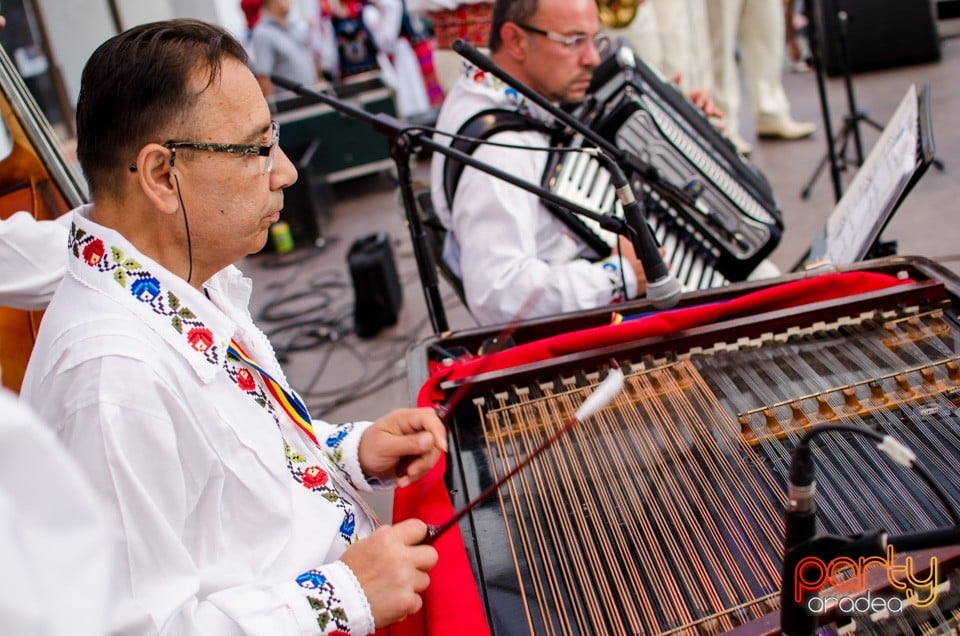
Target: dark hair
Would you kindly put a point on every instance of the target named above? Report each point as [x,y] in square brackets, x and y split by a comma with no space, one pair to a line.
[509,11]
[136,85]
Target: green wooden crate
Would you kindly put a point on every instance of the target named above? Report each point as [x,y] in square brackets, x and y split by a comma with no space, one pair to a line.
[348,147]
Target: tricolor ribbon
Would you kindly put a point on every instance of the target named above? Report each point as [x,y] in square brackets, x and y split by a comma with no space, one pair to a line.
[288,401]
[295,408]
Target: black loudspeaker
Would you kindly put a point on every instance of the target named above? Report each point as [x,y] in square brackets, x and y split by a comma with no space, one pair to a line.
[880,33]
[376,286]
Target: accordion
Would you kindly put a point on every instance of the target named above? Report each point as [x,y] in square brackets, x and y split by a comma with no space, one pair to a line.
[730,220]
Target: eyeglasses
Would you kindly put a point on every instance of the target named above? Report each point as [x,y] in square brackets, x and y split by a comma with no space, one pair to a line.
[573,42]
[246,150]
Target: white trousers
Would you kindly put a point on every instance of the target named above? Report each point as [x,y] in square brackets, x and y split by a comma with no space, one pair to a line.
[759,27]
[672,37]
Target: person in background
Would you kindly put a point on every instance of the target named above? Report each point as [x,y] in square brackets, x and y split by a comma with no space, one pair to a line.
[503,242]
[795,21]
[468,20]
[236,512]
[278,46]
[755,28]
[31,259]
[671,37]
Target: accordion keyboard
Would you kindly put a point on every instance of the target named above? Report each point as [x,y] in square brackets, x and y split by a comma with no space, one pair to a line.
[687,251]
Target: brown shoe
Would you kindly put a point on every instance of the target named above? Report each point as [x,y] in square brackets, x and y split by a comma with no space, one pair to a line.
[784,127]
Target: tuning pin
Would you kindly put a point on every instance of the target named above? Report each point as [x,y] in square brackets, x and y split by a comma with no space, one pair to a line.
[851,403]
[824,409]
[903,386]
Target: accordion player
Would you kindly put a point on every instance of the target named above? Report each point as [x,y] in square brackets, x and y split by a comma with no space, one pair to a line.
[730,225]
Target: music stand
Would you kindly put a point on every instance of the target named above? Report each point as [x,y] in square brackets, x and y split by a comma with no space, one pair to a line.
[900,157]
[817,12]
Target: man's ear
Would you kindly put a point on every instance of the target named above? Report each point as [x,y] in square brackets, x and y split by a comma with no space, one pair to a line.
[156,175]
[516,44]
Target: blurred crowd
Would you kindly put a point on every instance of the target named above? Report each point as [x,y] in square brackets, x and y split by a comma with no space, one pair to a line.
[715,46]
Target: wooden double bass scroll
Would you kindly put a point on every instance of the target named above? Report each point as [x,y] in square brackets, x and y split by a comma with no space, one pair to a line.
[34,178]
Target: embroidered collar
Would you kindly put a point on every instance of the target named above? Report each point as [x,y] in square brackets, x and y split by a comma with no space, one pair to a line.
[478,81]
[103,259]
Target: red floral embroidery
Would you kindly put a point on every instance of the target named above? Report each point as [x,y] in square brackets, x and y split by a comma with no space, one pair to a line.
[200,338]
[93,252]
[478,76]
[245,380]
[314,476]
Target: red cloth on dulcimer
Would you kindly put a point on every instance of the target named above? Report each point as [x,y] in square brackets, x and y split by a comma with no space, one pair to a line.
[452,602]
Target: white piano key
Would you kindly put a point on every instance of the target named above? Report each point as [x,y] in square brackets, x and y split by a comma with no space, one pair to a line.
[683,273]
[695,273]
[581,161]
[669,246]
[674,253]
[589,174]
[659,230]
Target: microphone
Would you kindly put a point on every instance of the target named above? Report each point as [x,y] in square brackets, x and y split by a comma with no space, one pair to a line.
[801,539]
[663,289]
[801,529]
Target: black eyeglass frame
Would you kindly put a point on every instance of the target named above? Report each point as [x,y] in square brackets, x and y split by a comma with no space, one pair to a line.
[244,150]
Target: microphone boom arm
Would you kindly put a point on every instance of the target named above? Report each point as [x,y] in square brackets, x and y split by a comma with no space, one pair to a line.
[404,140]
[393,128]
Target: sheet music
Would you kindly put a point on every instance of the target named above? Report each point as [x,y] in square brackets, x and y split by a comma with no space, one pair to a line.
[852,226]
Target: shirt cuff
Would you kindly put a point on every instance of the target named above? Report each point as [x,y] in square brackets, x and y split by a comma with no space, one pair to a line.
[345,453]
[332,600]
[617,276]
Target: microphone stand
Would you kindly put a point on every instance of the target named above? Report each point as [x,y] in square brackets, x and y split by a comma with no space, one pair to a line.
[404,141]
[662,288]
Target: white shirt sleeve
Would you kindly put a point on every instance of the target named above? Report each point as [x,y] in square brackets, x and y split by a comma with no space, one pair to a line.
[32,259]
[516,257]
[52,530]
